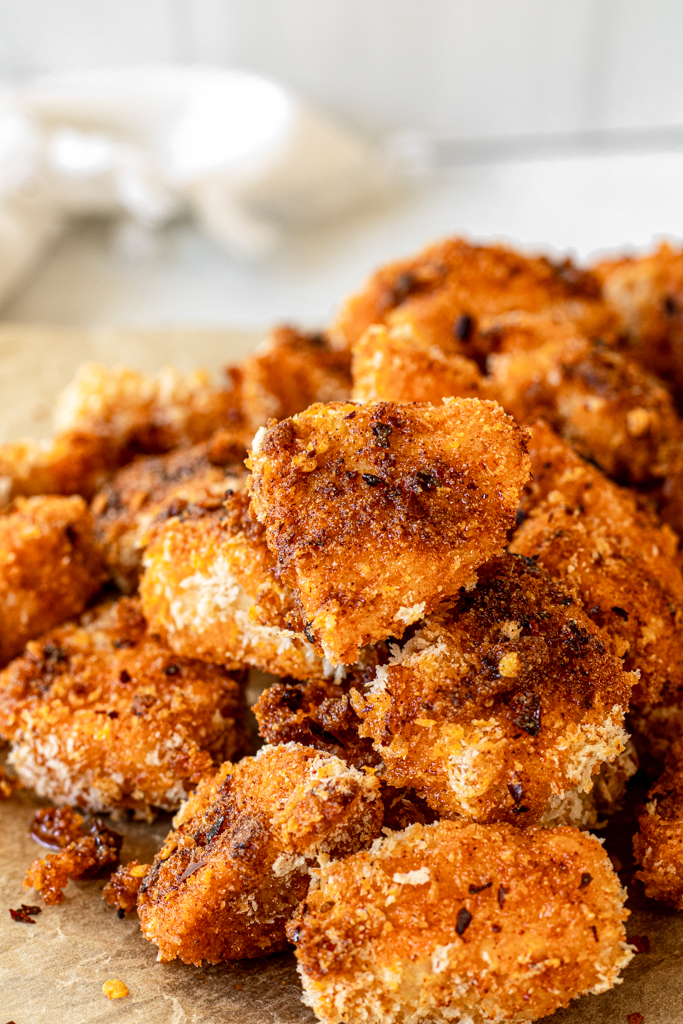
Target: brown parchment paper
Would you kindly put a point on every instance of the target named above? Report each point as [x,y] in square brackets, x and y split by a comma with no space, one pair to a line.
[52,972]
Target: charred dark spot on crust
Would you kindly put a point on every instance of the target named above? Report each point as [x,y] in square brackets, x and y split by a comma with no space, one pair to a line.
[595,933]
[122,643]
[308,633]
[404,285]
[124,676]
[382,432]
[463,921]
[427,480]
[526,709]
[516,791]
[501,894]
[113,714]
[52,652]
[474,889]
[669,305]
[371,480]
[586,879]
[216,828]
[520,516]
[621,612]
[463,327]
[141,704]
[171,670]
[565,601]
[120,913]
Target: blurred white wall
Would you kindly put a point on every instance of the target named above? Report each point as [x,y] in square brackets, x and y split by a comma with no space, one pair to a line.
[455,69]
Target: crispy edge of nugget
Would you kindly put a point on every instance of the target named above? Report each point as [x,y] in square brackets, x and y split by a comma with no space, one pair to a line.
[499,706]
[376,513]
[646,293]
[50,566]
[393,365]
[131,507]
[231,874]
[289,371]
[485,921]
[587,531]
[601,401]
[443,290]
[658,845]
[208,590]
[102,714]
[107,416]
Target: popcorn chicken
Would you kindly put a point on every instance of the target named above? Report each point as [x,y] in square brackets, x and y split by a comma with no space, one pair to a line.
[394,365]
[207,585]
[231,874]
[472,922]
[500,705]
[290,371]
[658,846]
[49,567]
[101,714]
[131,507]
[106,416]
[377,513]
[602,402]
[444,290]
[646,293]
[585,530]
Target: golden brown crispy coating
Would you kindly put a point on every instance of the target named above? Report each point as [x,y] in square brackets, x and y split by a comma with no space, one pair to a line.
[444,290]
[317,713]
[207,587]
[230,876]
[376,513]
[658,846]
[647,294]
[290,371]
[102,714]
[107,416]
[121,891]
[130,508]
[585,530]
[461,922]
[50,566]
[602,402]
[501,704]
[93,849]
[394,365]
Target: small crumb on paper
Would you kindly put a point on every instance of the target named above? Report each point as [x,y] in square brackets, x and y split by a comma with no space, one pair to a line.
[635,1018]
[115,989]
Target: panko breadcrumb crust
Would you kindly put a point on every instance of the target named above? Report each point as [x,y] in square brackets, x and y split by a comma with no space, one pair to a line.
[129,509]
[451,922]
[585,530]
[376,513]
[101,713]
[207,588]
[658,845]
[503,703]
[646,293]
[443,291]
[50,566]
[602,402]
[231,874]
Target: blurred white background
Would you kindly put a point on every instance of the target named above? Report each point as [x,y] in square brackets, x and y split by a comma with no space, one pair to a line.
[556,124]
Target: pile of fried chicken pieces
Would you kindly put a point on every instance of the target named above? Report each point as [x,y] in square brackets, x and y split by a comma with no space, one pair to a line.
[448,529]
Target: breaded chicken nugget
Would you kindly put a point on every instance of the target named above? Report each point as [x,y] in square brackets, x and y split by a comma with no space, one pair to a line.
[376,513]
[230,876]
[101,714]
[50,566]
[394,365]
[500,705]
[290,371]
[207,585]
[106,416]
[444,290]
[658,846]
[130,508]
[602,402]
[646,293]
[461,923]
[585,530]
